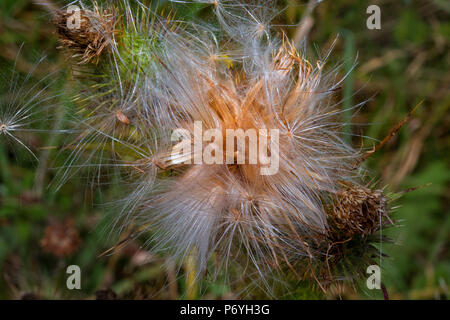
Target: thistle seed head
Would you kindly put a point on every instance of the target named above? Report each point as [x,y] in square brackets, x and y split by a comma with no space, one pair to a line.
[175,77]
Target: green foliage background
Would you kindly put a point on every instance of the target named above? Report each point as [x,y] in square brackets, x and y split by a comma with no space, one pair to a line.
[404,62]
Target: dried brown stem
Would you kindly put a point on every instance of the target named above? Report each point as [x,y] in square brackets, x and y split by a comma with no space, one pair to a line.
[391,133]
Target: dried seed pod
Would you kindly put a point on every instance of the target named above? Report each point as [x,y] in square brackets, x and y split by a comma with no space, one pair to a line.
[357,211]
[88,38]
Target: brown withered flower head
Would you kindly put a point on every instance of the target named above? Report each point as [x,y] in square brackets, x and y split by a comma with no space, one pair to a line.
[357,211]
[87,38]
[61,239]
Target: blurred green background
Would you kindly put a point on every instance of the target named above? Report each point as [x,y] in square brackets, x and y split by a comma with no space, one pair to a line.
[398,66]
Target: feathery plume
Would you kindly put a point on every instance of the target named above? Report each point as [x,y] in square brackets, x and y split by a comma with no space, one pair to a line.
[22,105]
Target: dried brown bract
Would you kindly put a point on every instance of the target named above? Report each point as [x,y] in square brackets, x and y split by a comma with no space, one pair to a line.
[89,38]
[357,211]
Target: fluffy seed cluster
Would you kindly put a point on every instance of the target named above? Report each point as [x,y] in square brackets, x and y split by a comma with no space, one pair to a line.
[224,207]
[161,75]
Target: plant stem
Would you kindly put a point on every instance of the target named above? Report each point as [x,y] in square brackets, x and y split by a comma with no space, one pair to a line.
[349,56]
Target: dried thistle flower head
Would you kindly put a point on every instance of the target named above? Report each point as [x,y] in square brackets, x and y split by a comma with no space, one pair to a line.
[90,34]
[358,211]
[275,218]
[249,80]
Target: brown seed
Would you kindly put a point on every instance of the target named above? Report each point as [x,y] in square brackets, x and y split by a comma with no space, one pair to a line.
[122,117]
